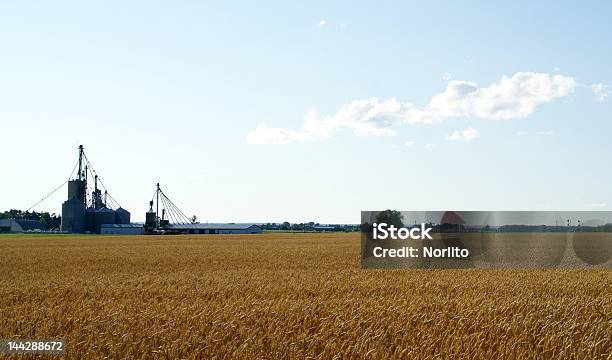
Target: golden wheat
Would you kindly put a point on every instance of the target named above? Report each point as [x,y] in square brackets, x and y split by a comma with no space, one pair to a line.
[291,296]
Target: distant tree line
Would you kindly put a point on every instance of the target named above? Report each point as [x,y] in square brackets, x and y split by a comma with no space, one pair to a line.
[51,221]
[545,228]
[309,226]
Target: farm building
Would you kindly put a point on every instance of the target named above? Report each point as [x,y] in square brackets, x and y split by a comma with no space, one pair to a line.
[215,228]
[324,228]
[122,229]
[171,220]
[20,225]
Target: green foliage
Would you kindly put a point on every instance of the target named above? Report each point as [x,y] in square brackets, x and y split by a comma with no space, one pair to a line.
[308,227]
[391,217]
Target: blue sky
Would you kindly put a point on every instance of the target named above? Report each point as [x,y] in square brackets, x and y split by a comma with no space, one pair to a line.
[175,92]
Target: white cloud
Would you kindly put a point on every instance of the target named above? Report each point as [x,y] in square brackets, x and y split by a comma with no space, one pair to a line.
[409,143]
[322,23]
[517,96]
[343,25]
[366,118]
[601,92]
[468,134]
[557,69]
[447,76]
[429,146]
[512,97]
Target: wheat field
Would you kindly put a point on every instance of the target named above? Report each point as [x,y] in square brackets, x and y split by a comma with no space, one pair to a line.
[290,296]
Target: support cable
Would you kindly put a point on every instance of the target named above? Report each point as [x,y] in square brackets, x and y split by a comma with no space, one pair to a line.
[163,211]
[113,200]
[94,173]
[166,212]
[187,221]
[169,209]
[56,189]
[177,209]
[178,212]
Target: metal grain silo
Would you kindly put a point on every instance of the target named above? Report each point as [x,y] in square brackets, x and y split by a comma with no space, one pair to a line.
[122,216]
[73,216]
[89,219]
[103,216]
[150,219]
[77,189]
